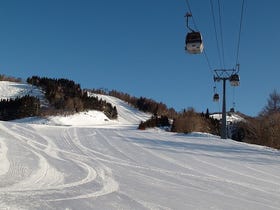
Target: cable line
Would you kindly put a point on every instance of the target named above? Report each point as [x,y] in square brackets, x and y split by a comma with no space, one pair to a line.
[233,98]
[196,28]
[237,65]
[195,25]
[216,34]
[239,34]
[221,33]
[207,60]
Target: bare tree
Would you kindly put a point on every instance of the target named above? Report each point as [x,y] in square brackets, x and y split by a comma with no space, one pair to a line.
[273,104]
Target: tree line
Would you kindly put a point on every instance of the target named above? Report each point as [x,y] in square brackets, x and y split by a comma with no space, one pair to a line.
[189,121]
[142,103]
[186,121]
[26,106]
[263,129]
[4,77]
[66,96]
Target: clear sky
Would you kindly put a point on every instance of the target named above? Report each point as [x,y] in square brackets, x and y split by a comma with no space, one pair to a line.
[137,47]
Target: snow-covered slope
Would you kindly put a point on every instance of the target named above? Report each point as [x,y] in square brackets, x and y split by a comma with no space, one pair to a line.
[126,113]
[231,117]
[55,167]
[120,167]
[13,90]
[127,116]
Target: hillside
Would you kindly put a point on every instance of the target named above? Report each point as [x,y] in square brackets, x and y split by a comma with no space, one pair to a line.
[13,90]
[90,162]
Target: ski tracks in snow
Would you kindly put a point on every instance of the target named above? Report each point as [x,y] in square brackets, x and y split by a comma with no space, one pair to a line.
[196,171]
[62,172]
[122,168]
[4,162]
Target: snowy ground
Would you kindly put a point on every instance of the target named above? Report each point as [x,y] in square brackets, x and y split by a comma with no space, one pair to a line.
[111,165]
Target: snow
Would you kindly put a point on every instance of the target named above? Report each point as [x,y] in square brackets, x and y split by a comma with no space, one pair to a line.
[90,163]
[12,90]
[231,117]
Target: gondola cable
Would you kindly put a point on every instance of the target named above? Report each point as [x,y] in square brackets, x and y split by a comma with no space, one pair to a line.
[204,51]
[216,33]
[196,28]
[237,65]
[221,34]
[239,34]
[234,77]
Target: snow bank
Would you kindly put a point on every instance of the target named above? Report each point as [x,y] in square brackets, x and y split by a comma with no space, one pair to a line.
[81,119]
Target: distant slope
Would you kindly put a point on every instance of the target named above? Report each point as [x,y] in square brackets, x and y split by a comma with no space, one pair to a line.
[13,90]
[127,116]
[126,113]
[231,117]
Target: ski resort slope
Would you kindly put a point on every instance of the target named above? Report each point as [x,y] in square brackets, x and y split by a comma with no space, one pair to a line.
[111,165]
[127,115]
[12,90]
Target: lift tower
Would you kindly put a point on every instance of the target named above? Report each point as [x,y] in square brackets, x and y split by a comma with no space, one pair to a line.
[224,75]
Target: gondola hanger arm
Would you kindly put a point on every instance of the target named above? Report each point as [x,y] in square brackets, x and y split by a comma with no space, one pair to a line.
[188,15]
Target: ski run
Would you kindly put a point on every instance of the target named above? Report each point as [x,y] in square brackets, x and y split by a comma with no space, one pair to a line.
[86,161]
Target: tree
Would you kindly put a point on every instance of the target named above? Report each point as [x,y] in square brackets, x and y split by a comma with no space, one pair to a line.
[273,104]
[26,106]
[190,121]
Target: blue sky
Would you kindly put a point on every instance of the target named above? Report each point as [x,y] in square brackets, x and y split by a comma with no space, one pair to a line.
[137,47]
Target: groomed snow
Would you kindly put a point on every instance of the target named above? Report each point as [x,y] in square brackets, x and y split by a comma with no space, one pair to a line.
[85,165]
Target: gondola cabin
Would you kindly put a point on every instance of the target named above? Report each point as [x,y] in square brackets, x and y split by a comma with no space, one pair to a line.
[194,44]
[216,97]
[234,80]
